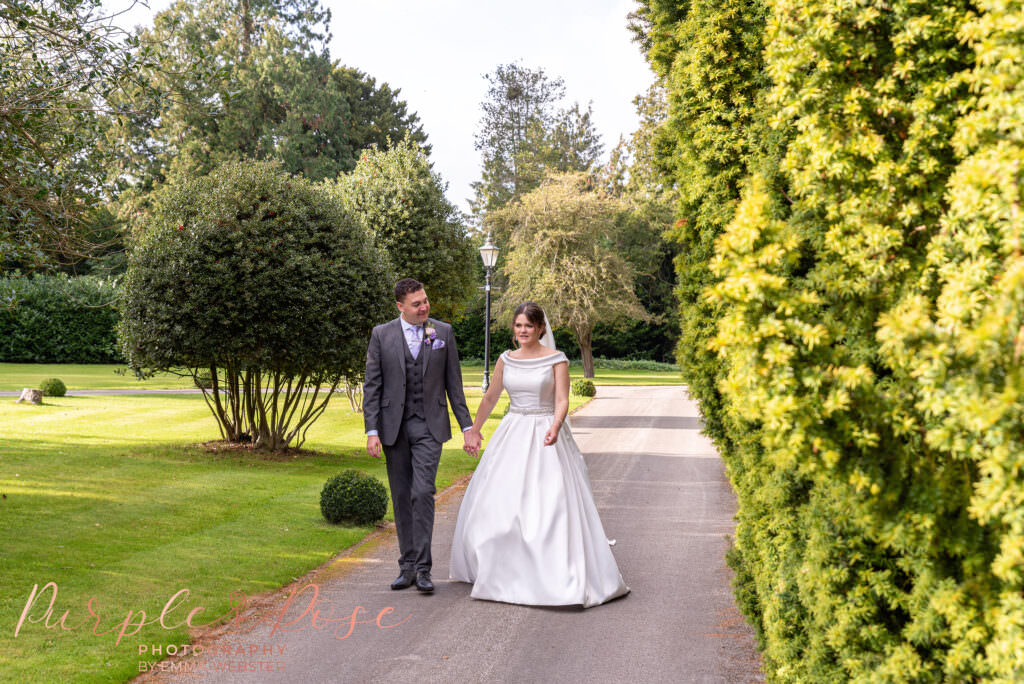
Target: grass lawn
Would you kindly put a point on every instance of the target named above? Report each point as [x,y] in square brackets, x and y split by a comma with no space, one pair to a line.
[16,376]
[111,498]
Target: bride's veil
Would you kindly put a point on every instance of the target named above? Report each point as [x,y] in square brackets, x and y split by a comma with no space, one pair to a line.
[548,339]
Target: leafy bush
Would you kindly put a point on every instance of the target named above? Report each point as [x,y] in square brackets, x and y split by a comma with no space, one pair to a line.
[59,319]
[203,380]
[353,496]
[53,387]
[853,293]
[401,199]
[263,281]
[583,388]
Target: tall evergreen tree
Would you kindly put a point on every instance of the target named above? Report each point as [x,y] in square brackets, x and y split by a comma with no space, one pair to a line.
[519,106]
[275,95]
[379,117]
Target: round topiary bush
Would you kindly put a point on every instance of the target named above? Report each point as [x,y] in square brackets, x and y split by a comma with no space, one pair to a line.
[53,387]
[353,496]
[583,388]
[262,280]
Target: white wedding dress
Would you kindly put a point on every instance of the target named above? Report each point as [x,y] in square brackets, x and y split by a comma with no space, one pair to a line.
[528,531]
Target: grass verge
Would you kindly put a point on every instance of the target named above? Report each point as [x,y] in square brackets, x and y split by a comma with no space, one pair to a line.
[110,498]
[16,376]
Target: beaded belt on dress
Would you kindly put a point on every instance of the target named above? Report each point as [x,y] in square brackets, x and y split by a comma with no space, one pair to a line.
[532,412]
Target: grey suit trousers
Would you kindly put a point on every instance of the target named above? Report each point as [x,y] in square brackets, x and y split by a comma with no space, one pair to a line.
[412,467]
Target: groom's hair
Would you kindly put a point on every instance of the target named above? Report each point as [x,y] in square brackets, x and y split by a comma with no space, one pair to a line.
[405,286]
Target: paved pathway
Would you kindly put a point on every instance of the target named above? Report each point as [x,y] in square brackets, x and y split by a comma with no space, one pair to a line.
[662,493]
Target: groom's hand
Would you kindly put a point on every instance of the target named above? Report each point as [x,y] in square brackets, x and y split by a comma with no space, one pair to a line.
[373,446]
[473,440]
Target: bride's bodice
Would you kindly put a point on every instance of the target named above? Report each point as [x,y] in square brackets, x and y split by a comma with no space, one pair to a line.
[530,383]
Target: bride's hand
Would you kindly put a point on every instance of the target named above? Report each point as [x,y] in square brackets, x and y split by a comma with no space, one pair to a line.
[473,441]
[551,436]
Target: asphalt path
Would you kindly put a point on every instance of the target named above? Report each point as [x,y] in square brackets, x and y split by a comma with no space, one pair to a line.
[662,494]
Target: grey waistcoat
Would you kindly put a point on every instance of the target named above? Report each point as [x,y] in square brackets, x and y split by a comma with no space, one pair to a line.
[413,385]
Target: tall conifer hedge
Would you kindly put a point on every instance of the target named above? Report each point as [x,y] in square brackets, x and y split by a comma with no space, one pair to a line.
[853,294]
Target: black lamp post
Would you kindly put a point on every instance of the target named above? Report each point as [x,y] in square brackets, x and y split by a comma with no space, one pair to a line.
[489,255]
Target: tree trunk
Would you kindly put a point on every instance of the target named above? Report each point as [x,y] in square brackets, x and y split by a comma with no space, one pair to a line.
[586,353]
[247,27]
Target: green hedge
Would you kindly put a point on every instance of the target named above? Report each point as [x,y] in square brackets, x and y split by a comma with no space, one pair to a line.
[637,340]
[852,294]
[59,319]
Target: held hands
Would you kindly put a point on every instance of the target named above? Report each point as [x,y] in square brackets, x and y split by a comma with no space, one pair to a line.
[373,446]
[473,440]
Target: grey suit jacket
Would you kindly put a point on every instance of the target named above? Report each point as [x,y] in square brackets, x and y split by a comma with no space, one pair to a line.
[384,387]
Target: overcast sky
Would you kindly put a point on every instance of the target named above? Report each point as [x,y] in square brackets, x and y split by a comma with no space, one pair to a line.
[438,51]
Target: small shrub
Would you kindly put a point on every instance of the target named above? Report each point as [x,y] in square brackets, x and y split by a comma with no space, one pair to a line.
[53,387]
[583,388]
[203,380]
[353,496]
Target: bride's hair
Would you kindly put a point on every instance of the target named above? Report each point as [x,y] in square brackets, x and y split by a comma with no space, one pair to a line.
[534,314]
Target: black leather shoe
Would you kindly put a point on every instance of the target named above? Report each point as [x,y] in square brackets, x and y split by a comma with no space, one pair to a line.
[405,580]
[423,582]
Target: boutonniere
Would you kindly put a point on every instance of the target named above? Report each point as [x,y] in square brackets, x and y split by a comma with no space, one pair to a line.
[430,337]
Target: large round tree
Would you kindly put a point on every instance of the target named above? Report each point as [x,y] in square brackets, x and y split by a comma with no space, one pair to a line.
[264,283]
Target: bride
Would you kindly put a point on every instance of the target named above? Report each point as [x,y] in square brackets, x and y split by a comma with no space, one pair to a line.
[528,531]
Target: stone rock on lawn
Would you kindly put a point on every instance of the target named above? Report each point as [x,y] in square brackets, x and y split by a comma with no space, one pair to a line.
[33,395]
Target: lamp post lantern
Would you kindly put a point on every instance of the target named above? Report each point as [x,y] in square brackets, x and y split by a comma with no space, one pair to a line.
[489,255]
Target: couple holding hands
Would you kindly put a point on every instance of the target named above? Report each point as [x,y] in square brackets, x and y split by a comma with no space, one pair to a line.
[528,530]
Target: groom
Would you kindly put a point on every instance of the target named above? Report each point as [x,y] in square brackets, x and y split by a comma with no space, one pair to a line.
[410,366]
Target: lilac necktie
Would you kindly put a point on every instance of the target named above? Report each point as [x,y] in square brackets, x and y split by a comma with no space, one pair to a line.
[414,342]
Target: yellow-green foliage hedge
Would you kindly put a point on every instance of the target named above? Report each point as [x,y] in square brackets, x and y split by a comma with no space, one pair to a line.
[864,302]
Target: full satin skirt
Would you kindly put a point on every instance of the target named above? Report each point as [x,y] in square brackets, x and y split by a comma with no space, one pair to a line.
[528,530]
